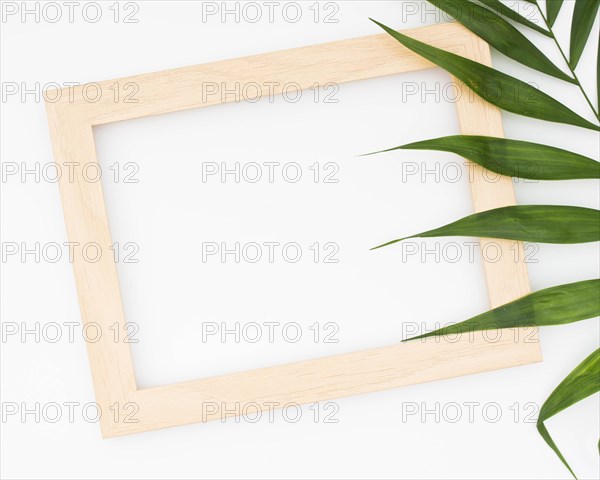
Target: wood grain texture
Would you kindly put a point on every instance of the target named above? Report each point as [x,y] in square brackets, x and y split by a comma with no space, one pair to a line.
[71,120]
[189,87]
[507,279]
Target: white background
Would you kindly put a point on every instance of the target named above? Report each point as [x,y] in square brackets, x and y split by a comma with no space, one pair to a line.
[370,296]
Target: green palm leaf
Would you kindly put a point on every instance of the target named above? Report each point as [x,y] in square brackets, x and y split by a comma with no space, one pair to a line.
[502,90]
[584,16]
[529,223]
[553,306]
[552,10]
[501,35]
[513,158]
[579,384]
[507,12]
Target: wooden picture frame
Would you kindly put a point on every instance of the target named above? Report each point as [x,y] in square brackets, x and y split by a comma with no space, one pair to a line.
[71,119]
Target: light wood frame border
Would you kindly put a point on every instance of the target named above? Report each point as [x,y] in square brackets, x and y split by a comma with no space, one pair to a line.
[70,122]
